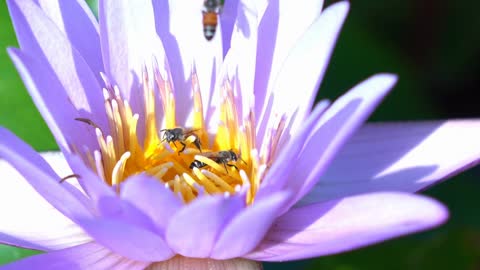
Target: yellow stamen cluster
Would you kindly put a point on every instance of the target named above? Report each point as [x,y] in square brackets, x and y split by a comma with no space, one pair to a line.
[121,154]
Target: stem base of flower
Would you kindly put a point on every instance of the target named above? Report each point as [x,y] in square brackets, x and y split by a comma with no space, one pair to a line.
[180,262]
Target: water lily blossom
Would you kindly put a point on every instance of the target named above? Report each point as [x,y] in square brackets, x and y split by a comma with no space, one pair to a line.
[182,152]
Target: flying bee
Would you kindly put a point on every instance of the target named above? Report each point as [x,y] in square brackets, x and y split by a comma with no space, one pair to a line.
[210,12]
[223,157]
[180,135]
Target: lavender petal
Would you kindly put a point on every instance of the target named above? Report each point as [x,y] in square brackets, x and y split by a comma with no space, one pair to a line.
[227,20]
[248,228]
[128,240]
[345,224]
[154,199]
[42,177]
[129,42]
[179,25]
[115,208]
[79,25]
[87,256]
[301,68]
[54,106]
[193,230]
[52,233]
[41,39]
[276,177]
[91,183]
[304,67]
[337,125]
[238,67]
[407,157]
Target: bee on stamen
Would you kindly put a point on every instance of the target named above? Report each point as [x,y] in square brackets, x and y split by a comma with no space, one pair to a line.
[210,12]
[220,157]
[180,135]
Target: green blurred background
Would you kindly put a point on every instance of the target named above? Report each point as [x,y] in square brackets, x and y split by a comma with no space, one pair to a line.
[432,45]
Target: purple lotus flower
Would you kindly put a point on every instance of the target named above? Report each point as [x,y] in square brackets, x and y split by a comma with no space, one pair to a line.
[179,151]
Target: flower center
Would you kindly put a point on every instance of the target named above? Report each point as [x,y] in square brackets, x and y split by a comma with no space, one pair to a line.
[187,160]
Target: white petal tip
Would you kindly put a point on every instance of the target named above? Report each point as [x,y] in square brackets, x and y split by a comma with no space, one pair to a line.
[342,5]
[387,78]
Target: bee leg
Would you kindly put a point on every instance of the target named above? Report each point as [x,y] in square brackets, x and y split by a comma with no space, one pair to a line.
[183,148]
[231,165]
[197,144]
[225,165]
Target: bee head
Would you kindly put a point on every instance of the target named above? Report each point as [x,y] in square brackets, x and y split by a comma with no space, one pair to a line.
[233,155]
[168,135]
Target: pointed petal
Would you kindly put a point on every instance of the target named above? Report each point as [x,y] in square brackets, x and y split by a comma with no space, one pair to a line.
[346,224]
[128,240]
[280,28]
[277,175]
[153,198]
[179,25]
[301,68]
[57,161]
[78,24]
[238,68]
[42,177]
[227,20]
[313,58]
[123,211]
[202,220]
[60,165]
[129,42]
[53,104]
[39,37]
[244,53]
[90,182]
[52,229]
[87,256]
[408,157]
[247,229]
[338,123]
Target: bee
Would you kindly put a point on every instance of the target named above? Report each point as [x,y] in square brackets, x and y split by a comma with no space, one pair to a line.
[180,135]
[211,9]
[223,157]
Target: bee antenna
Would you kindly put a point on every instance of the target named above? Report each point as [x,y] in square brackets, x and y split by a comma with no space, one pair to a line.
[240,157]
[164,136]
[242,160]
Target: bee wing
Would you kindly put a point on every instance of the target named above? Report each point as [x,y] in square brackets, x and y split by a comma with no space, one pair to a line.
[189,132]
[210,155]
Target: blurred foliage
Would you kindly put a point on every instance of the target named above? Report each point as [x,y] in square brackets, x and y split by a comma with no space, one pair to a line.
[93,4]
[431,45]
[17,111]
